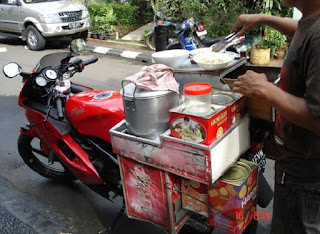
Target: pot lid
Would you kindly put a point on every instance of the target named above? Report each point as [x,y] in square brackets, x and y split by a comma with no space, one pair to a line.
[236,174]
[141,93]
[197,89]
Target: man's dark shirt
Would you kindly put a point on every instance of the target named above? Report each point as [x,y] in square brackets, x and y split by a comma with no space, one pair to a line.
[300,76]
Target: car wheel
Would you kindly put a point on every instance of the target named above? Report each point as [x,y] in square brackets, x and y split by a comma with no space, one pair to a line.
[35,40]
[84,35]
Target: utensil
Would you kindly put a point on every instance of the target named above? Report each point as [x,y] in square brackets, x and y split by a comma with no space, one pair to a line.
[277,80]
[226,84]
[226,42]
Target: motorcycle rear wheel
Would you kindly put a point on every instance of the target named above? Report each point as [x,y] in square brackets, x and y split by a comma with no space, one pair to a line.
[151,41]
[35,157]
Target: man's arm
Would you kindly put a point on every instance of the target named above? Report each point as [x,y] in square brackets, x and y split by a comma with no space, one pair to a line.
[291,107]
[286,26]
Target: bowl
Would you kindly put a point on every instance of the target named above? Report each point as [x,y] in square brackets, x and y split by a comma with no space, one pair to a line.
[200,51]
[171,58]
[212,61]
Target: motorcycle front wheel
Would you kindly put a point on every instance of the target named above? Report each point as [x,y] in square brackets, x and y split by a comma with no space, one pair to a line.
[33,155]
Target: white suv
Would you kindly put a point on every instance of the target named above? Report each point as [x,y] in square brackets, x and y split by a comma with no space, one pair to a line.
[36,21]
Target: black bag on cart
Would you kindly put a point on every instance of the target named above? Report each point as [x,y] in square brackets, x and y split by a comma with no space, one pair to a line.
[258,134]
[265,193]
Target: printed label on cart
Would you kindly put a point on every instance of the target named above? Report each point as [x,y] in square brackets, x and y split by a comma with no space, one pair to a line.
[257,215]
[188,130]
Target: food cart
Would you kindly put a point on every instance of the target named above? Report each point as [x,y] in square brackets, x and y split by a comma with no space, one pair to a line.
[167,179]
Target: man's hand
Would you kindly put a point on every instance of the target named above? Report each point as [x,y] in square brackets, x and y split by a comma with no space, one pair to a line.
[286,26]
[248,22]
[251,84]
[256,85]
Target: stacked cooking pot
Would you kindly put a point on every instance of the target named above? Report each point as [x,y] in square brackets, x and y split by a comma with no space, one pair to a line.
[147,112]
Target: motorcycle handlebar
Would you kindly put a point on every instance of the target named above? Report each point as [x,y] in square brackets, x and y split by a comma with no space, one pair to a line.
[79,64]
[89,61]
[59,108]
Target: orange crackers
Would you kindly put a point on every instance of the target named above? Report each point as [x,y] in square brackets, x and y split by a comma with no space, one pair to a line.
[232,199]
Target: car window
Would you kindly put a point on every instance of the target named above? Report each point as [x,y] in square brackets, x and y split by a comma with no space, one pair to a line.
[8,2]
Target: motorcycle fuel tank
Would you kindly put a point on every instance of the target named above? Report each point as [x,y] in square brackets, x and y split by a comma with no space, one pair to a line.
[94,113]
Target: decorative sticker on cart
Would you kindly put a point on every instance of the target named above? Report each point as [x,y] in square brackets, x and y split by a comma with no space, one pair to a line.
[188,130]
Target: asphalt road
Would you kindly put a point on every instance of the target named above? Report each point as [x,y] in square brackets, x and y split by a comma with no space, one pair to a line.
[30,203]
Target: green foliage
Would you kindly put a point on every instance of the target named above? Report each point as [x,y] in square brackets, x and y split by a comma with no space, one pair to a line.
[144,34]
[263,44]
[277,39]
[102,18]
[115,13]
[125,14]
[221,16]
[272,39]
[272,7]
[268,6]
[181,10]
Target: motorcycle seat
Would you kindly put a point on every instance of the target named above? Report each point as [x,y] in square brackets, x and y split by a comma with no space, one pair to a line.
[210,41]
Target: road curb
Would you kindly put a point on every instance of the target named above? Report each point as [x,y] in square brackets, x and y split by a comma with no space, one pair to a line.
[144,57]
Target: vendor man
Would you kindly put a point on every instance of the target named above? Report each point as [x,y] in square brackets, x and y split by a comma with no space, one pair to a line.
[297,170]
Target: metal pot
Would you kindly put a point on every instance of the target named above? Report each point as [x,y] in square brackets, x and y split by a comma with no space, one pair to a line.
[147,112]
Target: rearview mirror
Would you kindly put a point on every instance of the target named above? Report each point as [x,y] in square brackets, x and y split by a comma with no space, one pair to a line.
[77,45]
[11,70]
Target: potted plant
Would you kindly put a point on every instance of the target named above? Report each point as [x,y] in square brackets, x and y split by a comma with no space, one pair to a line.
[281,47]
[100,26]
[278,41]
[260,52]
[281,52]
[111,32]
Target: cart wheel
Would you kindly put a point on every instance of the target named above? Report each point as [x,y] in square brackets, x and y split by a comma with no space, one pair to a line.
[252,227]
[196,224]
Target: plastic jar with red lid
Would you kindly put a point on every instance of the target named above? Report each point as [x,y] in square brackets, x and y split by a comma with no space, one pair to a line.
[197,99]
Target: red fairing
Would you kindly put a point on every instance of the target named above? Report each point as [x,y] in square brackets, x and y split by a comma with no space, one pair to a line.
[81,167]
[94,113]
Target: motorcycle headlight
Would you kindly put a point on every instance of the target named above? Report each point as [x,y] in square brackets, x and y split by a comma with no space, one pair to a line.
[85,14]
[49,19]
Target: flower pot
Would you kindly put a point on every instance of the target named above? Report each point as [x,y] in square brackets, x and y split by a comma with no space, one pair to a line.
[280,54]
[89,35]
[94,35]
[102,36]
[113,36]
[260,56]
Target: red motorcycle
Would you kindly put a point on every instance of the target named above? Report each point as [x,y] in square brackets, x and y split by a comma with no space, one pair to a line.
[67,137]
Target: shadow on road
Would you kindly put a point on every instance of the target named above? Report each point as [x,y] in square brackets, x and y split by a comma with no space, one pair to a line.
[18,42]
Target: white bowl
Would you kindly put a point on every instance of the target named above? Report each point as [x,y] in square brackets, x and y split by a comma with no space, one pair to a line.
[200,51]
[213,61]
[171,58]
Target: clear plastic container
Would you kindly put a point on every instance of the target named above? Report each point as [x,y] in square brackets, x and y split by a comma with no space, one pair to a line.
[197,99]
